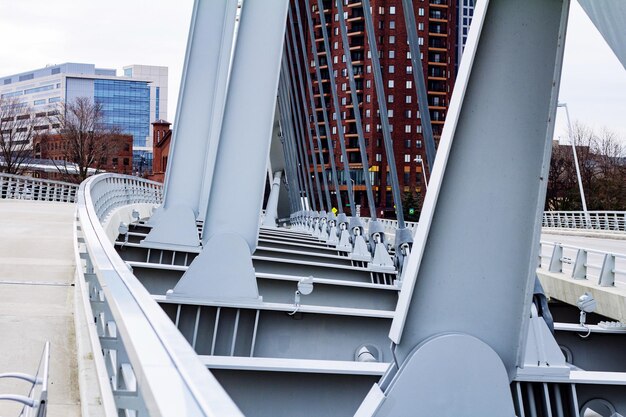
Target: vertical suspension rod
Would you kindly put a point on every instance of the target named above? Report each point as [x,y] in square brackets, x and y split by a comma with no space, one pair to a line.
[420,86]
[318,74]
[297,111]
[302,106]
[302,176]
[339,122]
[311,101]
[382,106]
[357,110]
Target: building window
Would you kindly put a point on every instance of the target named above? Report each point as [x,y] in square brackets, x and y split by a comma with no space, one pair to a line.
[390,98]
[390,83]
[407,157]
[343,101]
[54,71]
[407,143]
[407,128]
[379,157]
[368,98]
[420,11]
[392,9]
[392,24]
[409,84]
[27,77]
[392,69]
[407,114]
[420,41]
[409,69]
[390,113]
[367,127]
[54,99]
[420,26]
[408,99]
[368,113]
[39,102]
[368,83]
[418,129]
[392,54]
[418,144]
[335,45]
[392,39]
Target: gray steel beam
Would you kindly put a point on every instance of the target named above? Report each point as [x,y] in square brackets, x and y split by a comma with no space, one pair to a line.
[357,110]
[384,118]
[470,277]
[333,90]
[231,224]
[271,209]
[199,112]
[420,84]
[318,74]
[311,100]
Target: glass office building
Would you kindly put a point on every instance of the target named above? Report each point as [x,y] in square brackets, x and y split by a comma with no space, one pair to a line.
[130,102]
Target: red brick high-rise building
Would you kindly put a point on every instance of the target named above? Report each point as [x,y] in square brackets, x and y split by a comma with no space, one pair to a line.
[437,29]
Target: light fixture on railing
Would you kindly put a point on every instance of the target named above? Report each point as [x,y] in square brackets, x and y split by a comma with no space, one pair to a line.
[587,304]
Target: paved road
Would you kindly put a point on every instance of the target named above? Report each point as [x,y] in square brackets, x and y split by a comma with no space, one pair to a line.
[601,244]
[37,301]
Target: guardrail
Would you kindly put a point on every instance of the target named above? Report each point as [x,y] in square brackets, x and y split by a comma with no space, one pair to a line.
[614,221]
[152,369]
[27,188]
[34,404]
[582,263]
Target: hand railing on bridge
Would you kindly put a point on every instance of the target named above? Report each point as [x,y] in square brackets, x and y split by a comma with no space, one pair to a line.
[613,221]
[27,188]
[34,404]
[151,368]
[580,263]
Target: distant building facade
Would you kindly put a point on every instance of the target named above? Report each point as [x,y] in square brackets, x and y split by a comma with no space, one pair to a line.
[161,141]
[129,101]
[117,158]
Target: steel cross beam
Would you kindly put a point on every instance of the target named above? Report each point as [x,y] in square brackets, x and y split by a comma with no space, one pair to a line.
[231,225]
[199,112]
[461,324]
[318,74]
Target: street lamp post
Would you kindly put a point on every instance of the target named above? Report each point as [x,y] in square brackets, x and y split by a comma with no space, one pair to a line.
[571,139]
[419,159]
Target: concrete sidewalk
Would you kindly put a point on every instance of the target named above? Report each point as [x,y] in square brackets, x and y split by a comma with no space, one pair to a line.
[37,301]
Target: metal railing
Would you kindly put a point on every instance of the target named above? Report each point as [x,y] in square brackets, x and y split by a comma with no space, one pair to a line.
[151,367]
[581,263]
[27,188]
[613,221]
[34,404]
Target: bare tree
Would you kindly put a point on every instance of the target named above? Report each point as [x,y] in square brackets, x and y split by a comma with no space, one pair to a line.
[602,163]
[16,135]
[84,142]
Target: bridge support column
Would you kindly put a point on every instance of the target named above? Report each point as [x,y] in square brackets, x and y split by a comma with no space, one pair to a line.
[498,138]
[198,118]
[271,210]
[224,270]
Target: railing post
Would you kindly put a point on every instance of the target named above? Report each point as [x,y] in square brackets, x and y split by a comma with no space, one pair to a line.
[607,273]
[556,260]
[580,265]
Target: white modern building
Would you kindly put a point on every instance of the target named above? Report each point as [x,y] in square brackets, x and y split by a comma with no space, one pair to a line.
[130,101]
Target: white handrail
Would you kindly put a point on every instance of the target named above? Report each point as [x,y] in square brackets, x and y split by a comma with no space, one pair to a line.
[170,379]
[27,188]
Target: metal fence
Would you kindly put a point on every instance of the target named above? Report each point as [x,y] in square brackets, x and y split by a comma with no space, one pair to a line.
[151,368]
[581,263]
[27,188]
[613,221]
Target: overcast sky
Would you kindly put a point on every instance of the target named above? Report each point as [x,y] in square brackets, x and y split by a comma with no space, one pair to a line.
[116,33]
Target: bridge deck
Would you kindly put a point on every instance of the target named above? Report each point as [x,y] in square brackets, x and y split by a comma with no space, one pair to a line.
[37,301]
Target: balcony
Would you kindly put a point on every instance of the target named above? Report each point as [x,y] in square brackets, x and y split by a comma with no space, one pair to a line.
[437,43]
[437,29]
[438,15]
